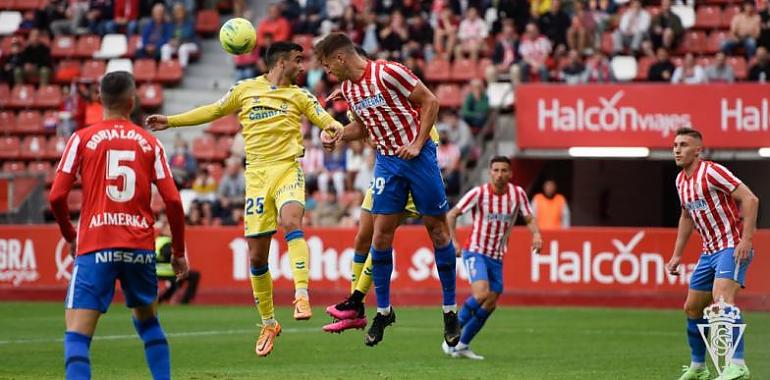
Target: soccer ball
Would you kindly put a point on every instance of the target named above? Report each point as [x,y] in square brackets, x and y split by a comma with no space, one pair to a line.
[238,36]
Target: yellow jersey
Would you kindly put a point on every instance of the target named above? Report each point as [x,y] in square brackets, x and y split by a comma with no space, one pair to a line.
[270,117]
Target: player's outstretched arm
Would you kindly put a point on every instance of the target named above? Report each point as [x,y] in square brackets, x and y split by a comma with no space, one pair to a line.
[749,204]
[683,233]
[197,116]
[537,239]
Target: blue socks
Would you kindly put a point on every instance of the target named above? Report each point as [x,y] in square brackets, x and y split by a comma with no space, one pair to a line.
[467,311]
[474,325]
[697,346]
[77,364]
[156,350]
[382,268]
[446,263]
[738,350]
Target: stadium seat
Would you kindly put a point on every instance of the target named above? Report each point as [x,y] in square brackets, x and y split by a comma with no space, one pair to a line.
[705,62]
[87,46]
[5,43]
[6,4]
[42,167]
[9,22]
[215,170]
[624,67]
[14,167]
[500,94]
[463,70]
[75,200]
[22,96]
[686,15]
[29,122]
[727,16]
[607,45]
[9,147]
[5,95]
[150,95]
[204,148]
[169,72]
[227,125]
[306,41]
[48,97]
[133,44]
[708,17]
[144,70]
[643,67]
[33,148]
[92,70]
[7,122]
[437,70]
[113,46]
[67,71]
[63,47]
[739,67]
[119,64]
[449,95]
[55,147]
[694,41]
[224,144]
[481,68]
[714,42]
[207,22]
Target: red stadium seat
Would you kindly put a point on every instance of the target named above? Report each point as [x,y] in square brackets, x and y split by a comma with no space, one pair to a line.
[5,45]
[67,71]
[33,148]
[463,70]
[93,70]
[694,41]
[55,147]
[63,47]
[727,16]
[482,67]
[5,95]
[607,45]
[7,122]
[133,43]
[169,72]
[29,122]
[207,22]
[449,95]
[437,70]
[87,46]
[14,167]
[306,41]
[6,4]
[145,70]
[714,42]
[204,148]
[48,97]
[9,147]
[227,125]
[150,95]
[739,67]
[224,144]
[22,96]
[643,67]
[705,62]
[28,5]
[708,17]
[42,167]
[75,200]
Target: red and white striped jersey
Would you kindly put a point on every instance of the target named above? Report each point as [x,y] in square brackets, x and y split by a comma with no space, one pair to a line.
[707,198]
[493,216]
[380,98]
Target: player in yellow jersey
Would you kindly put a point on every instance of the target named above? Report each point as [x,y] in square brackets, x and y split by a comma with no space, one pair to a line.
[270,108]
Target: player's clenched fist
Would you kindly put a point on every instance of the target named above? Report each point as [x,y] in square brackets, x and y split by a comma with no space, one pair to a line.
[156,122]
[330,137]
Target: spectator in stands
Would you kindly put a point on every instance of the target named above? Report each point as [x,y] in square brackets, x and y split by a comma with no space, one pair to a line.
[744,30]
[574,71]
[189,5]
[275,24]
[601,11]
[328,212]
[690,72]
[662,69]
[36,60]
[383,8]
[457,131]
[73,111]
[471,34]
[421,43]
[334,171]
[100,12]
[534,50]
[539,7]
[554,25]
[633,28]
[204,186]
[232,187]
[550,208]
[74,19]
[155,34]
[125,17]
[94,109]
[764,27]
[194,215]
[393,36]
[182,163]
[371,39]
[183,41]
[12,65]
[598,68]
[475,108]
[252,64]
[312,163]
[310,17]
[581,33]
[315,73]
[448,155]
[760,70]
[351,25]
[412,64]
[365,172]
[356,161]
[504,54]
[720,71]
[666,29]
[445,35]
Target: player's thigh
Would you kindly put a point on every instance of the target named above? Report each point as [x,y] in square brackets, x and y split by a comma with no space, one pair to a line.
[495,274]
[259,213]
[92,285]
[288,190]
[138,278]
[728,269]
[384,230]
[425,183]
[478,276]
[702,278]
[390,188]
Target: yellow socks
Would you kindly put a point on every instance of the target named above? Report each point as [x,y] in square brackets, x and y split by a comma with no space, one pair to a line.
[262,287]
[299,257]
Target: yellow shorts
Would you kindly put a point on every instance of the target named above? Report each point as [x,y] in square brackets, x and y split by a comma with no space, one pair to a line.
[410,209]
[268,188]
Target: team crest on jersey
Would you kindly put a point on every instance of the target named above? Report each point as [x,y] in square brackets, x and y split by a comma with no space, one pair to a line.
[696,205]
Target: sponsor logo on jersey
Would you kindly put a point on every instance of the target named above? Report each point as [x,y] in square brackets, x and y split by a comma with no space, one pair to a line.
[125,257]
[118,219]
[696,205]
[370,102]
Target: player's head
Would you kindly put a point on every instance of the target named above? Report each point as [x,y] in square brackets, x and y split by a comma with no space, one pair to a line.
[688,145]
[118,93]
[287,57]
[500,171]
[335,52]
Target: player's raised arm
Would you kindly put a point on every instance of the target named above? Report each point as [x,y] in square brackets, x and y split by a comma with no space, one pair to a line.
[201,115]
[174,211]
[66,173]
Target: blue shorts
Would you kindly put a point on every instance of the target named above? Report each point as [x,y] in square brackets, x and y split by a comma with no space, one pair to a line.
[92,285]
[719,264]
[484,268]
[396,178]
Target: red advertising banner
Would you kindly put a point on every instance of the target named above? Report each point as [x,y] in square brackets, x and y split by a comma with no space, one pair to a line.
[581,266]
[641,115]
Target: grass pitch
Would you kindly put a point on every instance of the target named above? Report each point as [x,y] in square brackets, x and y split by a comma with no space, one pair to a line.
[217,342]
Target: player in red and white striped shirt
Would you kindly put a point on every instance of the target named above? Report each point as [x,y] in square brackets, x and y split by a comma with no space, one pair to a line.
[708,193]
[494,208]
[397,111]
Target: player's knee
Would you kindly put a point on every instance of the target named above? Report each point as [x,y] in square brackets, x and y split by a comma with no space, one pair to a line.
[439,235]
[291,224]
[382,240]
[256,261]
[692,310]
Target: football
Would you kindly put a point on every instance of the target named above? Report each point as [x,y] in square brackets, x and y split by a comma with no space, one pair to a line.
[238,36]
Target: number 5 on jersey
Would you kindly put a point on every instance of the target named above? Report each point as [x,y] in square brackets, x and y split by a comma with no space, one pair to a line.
[255,205]
[115,170]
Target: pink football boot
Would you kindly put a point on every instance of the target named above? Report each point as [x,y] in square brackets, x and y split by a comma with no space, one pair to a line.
[345,324]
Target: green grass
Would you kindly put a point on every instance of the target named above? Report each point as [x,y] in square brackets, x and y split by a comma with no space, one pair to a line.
[217,342]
